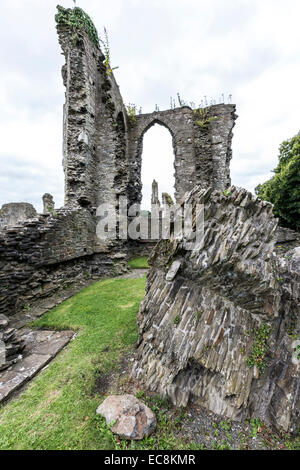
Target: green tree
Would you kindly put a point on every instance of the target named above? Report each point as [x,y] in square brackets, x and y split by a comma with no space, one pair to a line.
[283,190]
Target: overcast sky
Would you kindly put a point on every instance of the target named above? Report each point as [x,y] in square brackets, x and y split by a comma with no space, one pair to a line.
[246,48]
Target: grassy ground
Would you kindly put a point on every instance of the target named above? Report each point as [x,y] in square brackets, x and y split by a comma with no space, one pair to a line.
[139,263]
[58,409]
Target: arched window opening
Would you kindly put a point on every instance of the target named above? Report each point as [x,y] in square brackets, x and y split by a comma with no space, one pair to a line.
[157,164]
[120,177]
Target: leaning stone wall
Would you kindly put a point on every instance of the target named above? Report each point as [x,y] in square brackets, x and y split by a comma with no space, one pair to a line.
[219,323]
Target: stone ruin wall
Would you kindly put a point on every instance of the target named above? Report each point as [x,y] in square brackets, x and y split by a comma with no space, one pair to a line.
[202,154]
[203,309]
[103,147]
[102,160]
[48,253]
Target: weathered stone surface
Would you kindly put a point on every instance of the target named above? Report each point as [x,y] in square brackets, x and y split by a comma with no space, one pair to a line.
[39,348]
[49,204]
[11,345]
[13,213]
[131,418]
[202,153]
[222,333]
[171,274]
[285,235]
[3,321]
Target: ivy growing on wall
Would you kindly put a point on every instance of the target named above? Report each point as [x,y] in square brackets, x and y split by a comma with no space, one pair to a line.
[78,20]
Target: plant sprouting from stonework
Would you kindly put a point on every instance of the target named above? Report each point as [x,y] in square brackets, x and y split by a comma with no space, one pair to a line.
[172,103]
[260,347]
[202,118]
[203,104]
[181,102]
[132,112]
[106,47]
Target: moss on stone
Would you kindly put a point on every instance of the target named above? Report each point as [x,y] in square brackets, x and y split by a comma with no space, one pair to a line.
[78,20]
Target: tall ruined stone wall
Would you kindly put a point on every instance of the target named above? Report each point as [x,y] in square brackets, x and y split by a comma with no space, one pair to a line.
[213,150]
[103,148]
[94,124]
[201,143]
[219,322]
[102,159]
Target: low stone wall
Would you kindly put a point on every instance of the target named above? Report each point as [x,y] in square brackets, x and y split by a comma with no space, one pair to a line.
[219,324]
[43,255]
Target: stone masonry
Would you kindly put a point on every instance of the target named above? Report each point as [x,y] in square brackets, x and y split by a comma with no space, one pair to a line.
[48,203]
[202,149]
[206,311]
[219,324]
[13,213]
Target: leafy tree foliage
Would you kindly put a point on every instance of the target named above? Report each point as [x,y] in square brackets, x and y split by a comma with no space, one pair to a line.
[283,190]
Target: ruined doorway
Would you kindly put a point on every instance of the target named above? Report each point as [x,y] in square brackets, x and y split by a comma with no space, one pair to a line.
[157,164]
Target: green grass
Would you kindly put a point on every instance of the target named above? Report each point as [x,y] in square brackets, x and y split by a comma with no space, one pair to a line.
[58,410]
[139,263]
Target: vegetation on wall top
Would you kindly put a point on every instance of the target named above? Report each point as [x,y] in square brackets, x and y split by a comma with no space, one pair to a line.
[132,112]
[77,19]
[106,46]
[201,117]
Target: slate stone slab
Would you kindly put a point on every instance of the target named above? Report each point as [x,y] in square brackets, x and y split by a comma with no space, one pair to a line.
[41,348]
